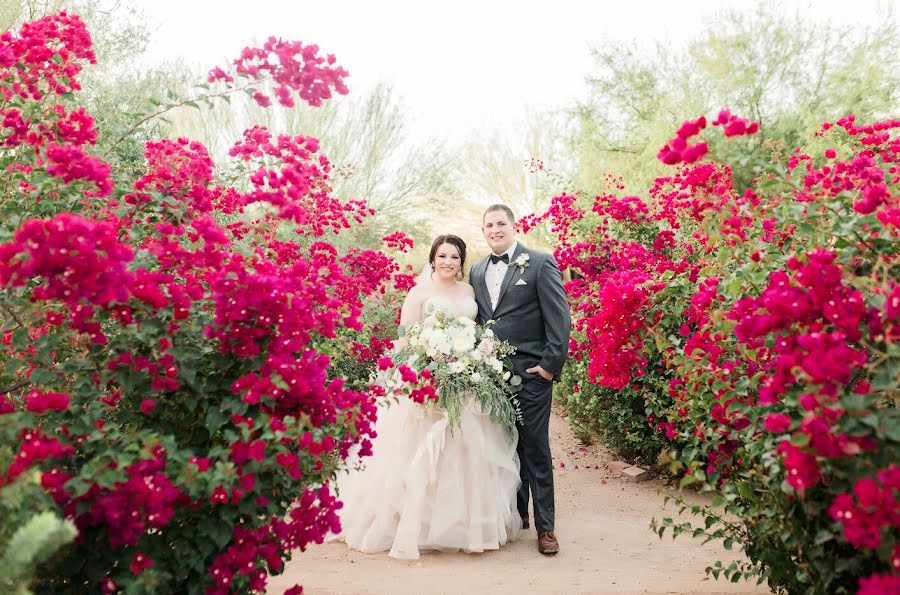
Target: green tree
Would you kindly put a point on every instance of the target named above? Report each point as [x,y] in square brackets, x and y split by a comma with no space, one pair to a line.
[367,139]
[522,166]
[116,90]
[790,73]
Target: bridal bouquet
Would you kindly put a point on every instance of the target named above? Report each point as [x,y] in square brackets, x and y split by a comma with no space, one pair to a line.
[457,357]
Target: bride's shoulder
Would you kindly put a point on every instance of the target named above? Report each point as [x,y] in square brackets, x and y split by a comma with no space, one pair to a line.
[418,293]
[465,288]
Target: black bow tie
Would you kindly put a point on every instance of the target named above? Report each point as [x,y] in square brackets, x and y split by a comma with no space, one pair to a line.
[495,259]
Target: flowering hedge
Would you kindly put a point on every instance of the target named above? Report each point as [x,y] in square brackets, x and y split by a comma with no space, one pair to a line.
[749,338]
[183,363]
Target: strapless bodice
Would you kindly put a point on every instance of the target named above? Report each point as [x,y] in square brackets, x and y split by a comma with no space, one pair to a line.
[463,307]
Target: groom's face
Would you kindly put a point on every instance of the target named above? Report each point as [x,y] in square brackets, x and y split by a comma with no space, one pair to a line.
[499,231]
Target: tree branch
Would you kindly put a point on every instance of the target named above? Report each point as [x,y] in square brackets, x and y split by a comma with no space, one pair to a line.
[149,117]
[8,389]
[12,313]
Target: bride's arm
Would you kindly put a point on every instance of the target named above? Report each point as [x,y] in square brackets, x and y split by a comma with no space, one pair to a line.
[411,312]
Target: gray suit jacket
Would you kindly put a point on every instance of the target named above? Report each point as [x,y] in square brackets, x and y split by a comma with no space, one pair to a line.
[532,312]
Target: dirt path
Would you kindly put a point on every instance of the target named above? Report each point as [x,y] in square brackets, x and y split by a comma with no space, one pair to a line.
[606,547]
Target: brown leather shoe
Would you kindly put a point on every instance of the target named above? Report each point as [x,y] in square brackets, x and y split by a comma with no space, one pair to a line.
[547,543]
[526,524]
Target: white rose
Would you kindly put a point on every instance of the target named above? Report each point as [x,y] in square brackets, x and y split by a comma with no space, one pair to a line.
[476,377]
[496,365]
[475,355]
[461,344]
[488,333]
[456,367]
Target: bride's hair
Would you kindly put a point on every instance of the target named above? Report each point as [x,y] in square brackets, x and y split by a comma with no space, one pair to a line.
[453,240]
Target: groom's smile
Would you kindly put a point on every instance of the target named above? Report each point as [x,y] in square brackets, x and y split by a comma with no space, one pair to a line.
[499,231]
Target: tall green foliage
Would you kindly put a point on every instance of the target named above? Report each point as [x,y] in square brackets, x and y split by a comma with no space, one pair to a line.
[369,144]
[31,532]
[786,72]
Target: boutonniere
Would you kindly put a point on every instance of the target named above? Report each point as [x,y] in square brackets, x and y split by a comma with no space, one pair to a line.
[522,262]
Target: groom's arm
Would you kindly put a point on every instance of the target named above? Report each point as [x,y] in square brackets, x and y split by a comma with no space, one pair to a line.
[557,319]
[472,274]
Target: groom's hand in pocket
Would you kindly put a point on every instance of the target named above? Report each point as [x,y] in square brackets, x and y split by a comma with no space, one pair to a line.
[541,372]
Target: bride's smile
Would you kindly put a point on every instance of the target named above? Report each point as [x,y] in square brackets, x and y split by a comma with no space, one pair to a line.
[446,263]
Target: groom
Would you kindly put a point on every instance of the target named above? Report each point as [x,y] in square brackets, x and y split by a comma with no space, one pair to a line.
[522,291]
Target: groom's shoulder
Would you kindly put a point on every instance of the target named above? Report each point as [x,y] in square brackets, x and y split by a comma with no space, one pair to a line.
[537,255]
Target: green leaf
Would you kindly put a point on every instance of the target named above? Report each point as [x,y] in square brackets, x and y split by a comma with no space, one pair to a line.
[20,339]
[42,377]
[214,420]
[887,376]
[14,365]
[823,536]
[892,432]
[33,543]
[800,439]
[279,382]
[686,481]
[218,531]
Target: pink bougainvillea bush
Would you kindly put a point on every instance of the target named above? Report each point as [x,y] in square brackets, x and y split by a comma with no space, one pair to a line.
[183,364]
[749,338]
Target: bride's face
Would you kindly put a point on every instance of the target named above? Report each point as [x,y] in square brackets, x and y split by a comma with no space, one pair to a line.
[446,262]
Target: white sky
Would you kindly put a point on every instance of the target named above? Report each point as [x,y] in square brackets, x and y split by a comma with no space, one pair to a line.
[460,66]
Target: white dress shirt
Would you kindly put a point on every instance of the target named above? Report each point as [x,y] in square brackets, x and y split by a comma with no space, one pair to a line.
[493,276]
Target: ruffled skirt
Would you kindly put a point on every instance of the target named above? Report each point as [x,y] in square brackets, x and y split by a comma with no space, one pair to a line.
[427,488]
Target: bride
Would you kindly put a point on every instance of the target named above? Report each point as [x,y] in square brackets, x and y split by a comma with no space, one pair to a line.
[425,488]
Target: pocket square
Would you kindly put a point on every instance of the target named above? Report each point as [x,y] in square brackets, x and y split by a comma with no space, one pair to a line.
[521,282]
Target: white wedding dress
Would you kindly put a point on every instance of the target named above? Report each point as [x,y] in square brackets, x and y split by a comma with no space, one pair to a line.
[424,488]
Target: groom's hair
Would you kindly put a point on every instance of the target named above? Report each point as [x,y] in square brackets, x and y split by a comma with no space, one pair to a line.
[453,241]
[500,207]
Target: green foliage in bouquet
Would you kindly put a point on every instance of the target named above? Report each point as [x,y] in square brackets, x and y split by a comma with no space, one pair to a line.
[461,359]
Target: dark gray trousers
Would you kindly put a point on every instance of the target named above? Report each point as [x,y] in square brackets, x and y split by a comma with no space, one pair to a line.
[534,451]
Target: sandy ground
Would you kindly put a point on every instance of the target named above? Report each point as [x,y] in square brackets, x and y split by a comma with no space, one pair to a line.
[603,528]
